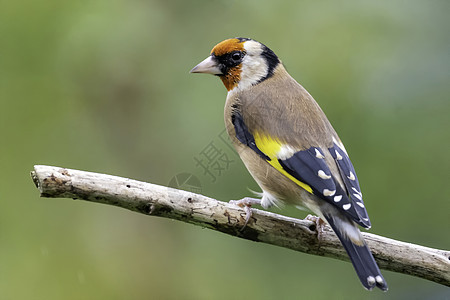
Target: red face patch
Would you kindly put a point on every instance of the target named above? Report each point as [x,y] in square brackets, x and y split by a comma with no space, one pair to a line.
[228,46]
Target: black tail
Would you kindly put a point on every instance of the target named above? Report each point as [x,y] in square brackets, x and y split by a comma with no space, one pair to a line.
[365,266]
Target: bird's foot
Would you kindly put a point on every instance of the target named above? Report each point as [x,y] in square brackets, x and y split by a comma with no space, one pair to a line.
[320,224]
[246,204]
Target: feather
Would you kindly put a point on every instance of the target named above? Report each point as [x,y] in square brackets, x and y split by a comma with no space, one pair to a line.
[362,259]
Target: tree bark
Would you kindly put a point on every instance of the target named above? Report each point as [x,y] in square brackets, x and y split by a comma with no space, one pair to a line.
[266,227]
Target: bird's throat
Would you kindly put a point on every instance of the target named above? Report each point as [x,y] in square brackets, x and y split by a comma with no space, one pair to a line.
[232,78]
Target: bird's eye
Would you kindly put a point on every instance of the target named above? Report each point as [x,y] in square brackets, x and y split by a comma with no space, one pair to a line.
[236,56]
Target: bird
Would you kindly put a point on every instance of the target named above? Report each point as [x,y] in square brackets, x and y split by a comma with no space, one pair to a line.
[290,147]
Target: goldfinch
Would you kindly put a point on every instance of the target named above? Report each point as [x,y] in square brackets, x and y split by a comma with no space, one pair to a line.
[289,146]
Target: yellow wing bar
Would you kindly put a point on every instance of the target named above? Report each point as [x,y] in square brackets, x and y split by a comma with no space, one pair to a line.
[271,147]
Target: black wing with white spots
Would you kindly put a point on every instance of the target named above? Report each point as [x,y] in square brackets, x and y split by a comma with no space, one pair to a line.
[310,167]
[351,182]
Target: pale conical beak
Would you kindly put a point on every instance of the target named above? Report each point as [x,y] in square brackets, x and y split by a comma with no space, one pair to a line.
[208,66]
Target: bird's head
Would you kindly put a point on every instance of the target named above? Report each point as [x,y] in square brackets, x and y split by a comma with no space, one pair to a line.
[239,62]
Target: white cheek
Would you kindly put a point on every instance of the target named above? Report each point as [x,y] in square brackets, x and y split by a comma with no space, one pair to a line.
[253,66]
[252,71]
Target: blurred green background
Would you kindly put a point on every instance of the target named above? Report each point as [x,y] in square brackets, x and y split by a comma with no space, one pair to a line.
[104,86]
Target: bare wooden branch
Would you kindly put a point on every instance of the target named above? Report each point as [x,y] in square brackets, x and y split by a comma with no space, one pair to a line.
[266,227]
